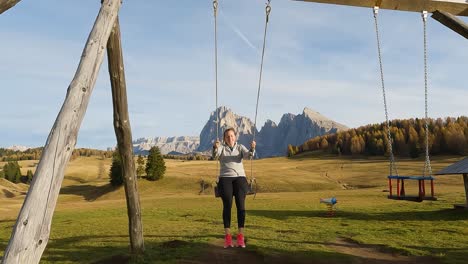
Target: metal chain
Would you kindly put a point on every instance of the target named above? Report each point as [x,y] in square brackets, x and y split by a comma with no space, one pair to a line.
[390,140]
[215,9]
[215,12]
[267,12]
[427,164]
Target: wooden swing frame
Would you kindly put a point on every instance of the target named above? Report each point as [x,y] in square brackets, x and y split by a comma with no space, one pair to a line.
[444,11]
[32,229]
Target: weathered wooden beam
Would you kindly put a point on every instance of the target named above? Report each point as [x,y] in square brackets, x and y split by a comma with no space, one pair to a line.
[456,7]
[465,180]
[32,229]
[452,22]
[123,133]
[7,4]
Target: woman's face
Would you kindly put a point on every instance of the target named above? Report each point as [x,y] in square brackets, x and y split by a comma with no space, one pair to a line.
[230,138]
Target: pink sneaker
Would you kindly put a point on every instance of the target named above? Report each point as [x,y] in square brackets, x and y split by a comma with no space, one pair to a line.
[240,241]
[228,241]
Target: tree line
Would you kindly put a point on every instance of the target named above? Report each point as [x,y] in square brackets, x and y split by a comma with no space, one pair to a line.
[446,137]
[16,155]
[35,154]
[187,157]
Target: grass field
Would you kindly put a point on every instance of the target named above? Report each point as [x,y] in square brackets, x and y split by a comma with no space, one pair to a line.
[285,223]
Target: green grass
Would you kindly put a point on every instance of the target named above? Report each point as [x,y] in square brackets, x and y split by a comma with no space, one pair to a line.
[90,222]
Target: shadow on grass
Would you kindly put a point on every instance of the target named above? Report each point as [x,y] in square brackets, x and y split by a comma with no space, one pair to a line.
[8,194]
[89,192]
[438,215]
[456,255]
[77,179]
[115,249]
[186,249]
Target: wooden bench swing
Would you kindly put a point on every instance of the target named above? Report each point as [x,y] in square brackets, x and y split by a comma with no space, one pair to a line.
[427,173]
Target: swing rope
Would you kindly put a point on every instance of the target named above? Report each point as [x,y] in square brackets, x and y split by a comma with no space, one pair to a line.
[267,12]
[215,13]
[427,164]
[215,9]
[389,136]
[253,181]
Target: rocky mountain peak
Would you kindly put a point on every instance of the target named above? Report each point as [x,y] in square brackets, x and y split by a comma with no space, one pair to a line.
[314,115]
[272,140]
[18,148]
[227,119]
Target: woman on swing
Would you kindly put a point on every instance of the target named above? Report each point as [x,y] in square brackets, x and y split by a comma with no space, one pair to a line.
[232,182]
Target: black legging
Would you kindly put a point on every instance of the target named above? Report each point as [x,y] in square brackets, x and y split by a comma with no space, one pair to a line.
[229,186]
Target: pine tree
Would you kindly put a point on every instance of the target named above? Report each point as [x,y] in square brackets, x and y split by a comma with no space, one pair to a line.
[155,165]
[116,171]
[12,171]
[355,145]
[291,151]
[413,143]
[29,175]
[324,144]
[141,166]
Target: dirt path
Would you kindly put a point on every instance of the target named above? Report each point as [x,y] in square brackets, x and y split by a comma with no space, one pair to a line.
[365,254]
[374,254]
[216,254]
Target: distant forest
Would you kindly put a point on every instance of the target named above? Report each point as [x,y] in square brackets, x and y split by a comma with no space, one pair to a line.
[446,137]
[35,154]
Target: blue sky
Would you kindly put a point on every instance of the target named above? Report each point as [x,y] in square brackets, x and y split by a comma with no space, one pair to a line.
[317,56]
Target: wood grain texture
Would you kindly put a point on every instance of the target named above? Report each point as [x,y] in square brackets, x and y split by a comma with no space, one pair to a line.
[123,133]
[455,7]
[32,229]
[7,4]
[452,22]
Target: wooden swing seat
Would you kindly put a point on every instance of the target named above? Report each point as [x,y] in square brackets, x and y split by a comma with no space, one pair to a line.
[401,195]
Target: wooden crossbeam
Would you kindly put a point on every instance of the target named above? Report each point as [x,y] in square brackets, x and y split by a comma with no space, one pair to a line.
[452,22]
[455,7]
[7,4]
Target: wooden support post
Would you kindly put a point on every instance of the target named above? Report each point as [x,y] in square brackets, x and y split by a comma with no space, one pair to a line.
[432,188]
[420,188]
[32,229]
[452,22]
[7,4]
[424,188]
[402,190]
[398,188]
[390,187]
[465,180]
[123,133]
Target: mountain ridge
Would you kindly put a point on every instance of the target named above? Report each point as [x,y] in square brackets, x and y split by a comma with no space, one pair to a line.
[272,139]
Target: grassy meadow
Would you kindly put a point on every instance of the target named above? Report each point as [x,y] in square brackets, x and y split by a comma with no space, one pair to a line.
[285,222]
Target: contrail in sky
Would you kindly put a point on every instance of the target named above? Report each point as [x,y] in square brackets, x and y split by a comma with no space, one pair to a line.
[238,32]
